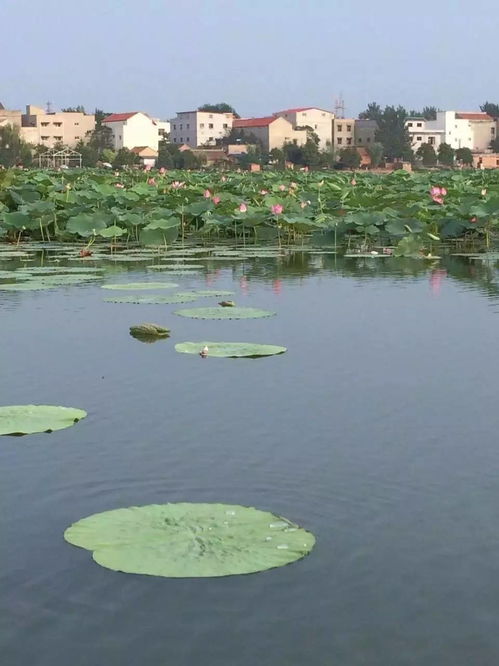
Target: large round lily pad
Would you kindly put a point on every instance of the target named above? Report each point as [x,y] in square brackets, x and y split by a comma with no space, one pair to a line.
[224,313]
[230,349]
[141,285]
[28,419]
[180,297]
[190,540]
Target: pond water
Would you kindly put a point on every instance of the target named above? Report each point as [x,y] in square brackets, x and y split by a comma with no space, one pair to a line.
[377,431]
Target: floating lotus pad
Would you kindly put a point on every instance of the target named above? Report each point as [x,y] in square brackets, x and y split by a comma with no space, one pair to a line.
[28,419]
[174,267]
[190,540]
[230,349]
[213,292]
[180,297]
[56,270]
[29,285]
[141,285]
[224,313]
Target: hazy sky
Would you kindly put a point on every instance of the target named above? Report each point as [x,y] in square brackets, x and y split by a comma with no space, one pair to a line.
[162,56]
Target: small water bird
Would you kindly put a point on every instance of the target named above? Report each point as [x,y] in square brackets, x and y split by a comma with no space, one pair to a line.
[227,304]
[204,352]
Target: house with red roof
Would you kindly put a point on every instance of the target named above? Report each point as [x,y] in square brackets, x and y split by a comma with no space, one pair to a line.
[272,131]
[133,129]
[318,120]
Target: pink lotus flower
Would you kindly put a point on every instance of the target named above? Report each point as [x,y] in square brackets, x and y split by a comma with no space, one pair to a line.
[484,192]
[438,194]
[216,200]
[264,192]
[120,186]
[277,209]
[243,208]
[438,200]
[282,187]
[303,204]
[223,179]
[473,220]
[207,194]
[151,181]
[147,167]
[162,170]
[353,181]
[293,185]
[177,184]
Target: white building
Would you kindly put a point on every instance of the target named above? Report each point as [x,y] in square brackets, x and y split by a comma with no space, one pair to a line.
[319,120]
[199,128]
[130,130]
[458,129]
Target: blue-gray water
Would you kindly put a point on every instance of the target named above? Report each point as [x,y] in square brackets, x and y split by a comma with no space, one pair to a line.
[377,430]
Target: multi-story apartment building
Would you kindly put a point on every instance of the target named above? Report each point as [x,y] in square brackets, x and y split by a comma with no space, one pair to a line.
[132,129]
[272,131]
[199,128]
[343,133]
[48,129]
[459,129]
[365,132]
[318,120]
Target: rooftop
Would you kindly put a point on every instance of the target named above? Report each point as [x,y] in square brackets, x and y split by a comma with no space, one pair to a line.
[253,122]
[119,117]
[299,109]
[472,116]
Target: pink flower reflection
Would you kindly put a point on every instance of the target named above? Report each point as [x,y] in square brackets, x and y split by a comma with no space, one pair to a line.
[436,278]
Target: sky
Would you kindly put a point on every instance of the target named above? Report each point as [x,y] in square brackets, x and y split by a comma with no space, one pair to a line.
[260,56]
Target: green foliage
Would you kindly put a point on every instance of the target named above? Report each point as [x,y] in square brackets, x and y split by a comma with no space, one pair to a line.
[465,156]
[74,109]
[230,349]
[29,419]
[427,153]
[220,107]
[13,150]
[491,108]
[350,158]
[125,157]
[375,151]
[446,154]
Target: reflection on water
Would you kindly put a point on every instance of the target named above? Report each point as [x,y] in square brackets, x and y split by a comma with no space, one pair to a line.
[377,430]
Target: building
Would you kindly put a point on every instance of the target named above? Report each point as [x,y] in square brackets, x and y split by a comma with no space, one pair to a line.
[40,127]
[200,128]
[164,129]
[486,160]
[147,156]
[343,133]
[132,130]
[318,120]
[272,131]
[8,117]
[365,132]
[459,129]
[423,131]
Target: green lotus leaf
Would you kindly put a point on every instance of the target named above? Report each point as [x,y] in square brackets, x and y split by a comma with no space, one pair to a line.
[112,232]
[213,292]
[187,540]
[86,225]
[141,285]
[28,419]
[153,300]
[224,313]
[29,285]
[230,349]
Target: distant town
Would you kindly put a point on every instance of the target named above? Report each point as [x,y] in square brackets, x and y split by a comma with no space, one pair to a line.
[214,134]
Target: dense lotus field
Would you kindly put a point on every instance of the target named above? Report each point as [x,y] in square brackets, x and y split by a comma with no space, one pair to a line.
[411,212]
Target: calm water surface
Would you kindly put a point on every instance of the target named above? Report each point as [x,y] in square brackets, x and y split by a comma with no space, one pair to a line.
[377,430]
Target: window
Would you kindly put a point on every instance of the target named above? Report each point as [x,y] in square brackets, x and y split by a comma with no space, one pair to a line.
[188,139]
[210,125]
[359,139]
[45,124]
[315,126]
[181,126]
[181,139]
[77,137]
[210,138]
[174,127]
[174,140]
[119,137]
[409,124]
[339,128]
[431,140]
[201,125]
[419,138]
[349,141]
[77,123]
[44,138]
[493,131]
[368,139]
[210,116]
[419,124]
[225,126]
[188,126]
[58,124]
[303,114]
[323,115]
[339,141]
[58,138]
[349,128]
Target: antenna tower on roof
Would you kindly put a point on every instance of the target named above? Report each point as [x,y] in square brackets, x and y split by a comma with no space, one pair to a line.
[49,107]
[339,107]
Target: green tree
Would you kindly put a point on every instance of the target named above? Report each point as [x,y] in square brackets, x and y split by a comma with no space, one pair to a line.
[427,153]
[491,109]
[428,113]
[465,156]
[392,133]
[13,150]
[74,109]
[446,154]
[220,107]
[89,155]
[125,157]
[350,158]
[373,112]
[277,157]
[375,151]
